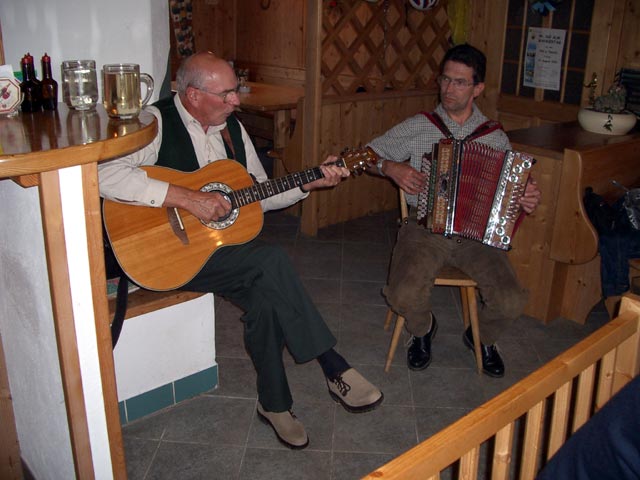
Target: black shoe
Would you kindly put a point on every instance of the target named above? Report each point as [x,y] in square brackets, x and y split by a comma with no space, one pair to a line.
[492,363]
[419,353]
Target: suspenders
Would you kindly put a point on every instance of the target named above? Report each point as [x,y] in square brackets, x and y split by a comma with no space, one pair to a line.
[483,129]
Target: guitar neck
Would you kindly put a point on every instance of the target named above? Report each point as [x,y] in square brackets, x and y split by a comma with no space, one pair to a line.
[269,188]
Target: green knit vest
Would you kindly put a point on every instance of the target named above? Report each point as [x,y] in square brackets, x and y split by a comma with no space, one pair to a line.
[176,150]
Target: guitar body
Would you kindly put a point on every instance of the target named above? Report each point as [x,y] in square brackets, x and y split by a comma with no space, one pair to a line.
[164,248]
[148,249]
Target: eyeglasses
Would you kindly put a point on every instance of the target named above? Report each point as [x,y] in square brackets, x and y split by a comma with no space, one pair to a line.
[223,95]
[458,83]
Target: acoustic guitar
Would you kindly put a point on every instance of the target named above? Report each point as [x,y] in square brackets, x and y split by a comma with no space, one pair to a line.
[164,248]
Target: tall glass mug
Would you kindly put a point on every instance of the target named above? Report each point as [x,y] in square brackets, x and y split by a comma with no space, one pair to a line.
[122,89]
[79,84]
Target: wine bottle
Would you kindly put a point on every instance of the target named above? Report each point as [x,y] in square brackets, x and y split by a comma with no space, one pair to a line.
[30,86]
[49,87]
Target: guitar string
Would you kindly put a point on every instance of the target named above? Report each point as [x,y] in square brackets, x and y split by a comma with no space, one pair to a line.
[268,188]
[263,190]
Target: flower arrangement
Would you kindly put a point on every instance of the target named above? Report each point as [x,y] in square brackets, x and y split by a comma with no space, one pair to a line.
[613,101]
[607,113]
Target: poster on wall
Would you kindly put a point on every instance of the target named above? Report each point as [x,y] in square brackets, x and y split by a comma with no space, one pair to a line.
[543,62]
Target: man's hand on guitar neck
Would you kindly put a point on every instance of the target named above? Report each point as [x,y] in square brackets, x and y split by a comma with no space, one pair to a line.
[333,175]
[212,206]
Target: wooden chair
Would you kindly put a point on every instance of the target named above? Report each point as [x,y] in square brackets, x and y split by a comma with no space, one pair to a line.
[450,277]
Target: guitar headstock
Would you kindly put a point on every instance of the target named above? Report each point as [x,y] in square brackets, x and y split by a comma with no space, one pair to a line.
[357,160]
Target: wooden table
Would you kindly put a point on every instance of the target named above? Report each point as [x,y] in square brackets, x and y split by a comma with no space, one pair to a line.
[278,100]
[58,151]
[555,252]
[267,100]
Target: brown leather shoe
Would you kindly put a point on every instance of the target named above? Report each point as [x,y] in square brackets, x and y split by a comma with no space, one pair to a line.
[287,427]
[354,392]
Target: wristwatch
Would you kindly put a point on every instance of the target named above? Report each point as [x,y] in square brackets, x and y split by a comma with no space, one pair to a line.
[379,167]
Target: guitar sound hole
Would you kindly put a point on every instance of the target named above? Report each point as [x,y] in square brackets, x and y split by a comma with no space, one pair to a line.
[225,191]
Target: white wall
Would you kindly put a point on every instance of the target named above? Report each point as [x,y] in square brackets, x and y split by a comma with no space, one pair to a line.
[108,32]
[28,336]
[114,31]
[158,348]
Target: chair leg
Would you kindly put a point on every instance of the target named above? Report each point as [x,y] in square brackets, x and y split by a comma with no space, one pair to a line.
[465,305]
[472,306]
[387,321]
[394,342]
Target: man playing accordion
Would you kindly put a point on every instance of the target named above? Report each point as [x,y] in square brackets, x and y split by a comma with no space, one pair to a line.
[419,254]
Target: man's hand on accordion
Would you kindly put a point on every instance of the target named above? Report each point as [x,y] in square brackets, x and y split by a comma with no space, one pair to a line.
[531,198]
[405,176]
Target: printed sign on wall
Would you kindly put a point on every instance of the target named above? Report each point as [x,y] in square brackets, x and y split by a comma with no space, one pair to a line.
[543,62]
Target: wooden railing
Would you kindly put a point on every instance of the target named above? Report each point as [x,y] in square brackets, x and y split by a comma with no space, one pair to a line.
[526,424]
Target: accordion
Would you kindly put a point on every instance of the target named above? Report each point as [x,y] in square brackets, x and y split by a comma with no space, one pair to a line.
[472,191]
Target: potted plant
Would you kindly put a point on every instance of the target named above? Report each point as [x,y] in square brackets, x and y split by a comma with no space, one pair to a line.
[607,114]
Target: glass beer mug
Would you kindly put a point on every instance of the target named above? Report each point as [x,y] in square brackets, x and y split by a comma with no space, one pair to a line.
[122,96]
[79,84]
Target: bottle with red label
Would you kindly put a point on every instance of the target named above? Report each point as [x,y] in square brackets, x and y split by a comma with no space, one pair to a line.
[49,87]
[30,86]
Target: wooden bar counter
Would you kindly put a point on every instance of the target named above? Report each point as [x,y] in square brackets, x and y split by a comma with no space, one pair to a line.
[555,251]
[58,152]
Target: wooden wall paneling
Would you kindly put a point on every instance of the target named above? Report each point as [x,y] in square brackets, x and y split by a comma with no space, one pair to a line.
[537,112]
[270,42]
[628,52]
[214,27]
[274,74]
[352,123]
[604,41]
[487,32]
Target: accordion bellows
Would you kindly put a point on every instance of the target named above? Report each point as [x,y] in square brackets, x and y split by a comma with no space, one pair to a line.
[473,190]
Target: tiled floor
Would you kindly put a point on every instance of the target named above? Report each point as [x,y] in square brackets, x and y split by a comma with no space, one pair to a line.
[218,436]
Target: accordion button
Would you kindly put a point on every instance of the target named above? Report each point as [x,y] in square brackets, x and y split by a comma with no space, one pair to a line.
[458,240]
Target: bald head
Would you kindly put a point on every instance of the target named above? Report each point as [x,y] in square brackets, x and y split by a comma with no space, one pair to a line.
[200,68]
[207,87]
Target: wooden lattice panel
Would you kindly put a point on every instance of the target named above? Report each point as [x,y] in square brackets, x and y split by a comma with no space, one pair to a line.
[380,46]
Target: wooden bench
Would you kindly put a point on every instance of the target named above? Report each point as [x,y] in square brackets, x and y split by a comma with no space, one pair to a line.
[146,301]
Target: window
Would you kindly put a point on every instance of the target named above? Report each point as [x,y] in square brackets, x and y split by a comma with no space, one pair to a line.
[574,16]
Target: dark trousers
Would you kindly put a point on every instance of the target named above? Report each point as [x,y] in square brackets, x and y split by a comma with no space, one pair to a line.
[616,249]
[418,257]
[260,279]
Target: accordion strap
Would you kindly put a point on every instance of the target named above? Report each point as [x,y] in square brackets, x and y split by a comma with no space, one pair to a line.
[482,129]
[438,122]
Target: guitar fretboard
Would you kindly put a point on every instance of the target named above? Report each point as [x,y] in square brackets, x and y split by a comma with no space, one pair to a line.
[269,188]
